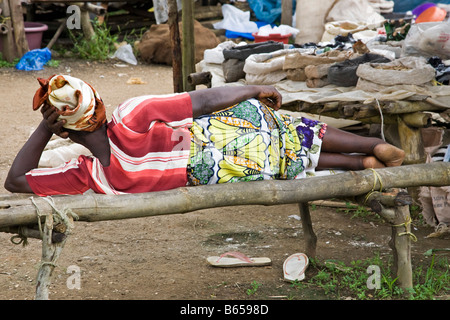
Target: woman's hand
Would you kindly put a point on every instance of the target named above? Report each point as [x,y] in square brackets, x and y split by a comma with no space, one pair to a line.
[270,97]
[51,121]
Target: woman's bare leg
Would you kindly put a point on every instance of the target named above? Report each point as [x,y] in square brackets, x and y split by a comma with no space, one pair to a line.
[377,153]
[329,160]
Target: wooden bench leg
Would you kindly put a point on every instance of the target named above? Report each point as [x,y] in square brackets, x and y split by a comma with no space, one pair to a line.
[394,207]
[310,236]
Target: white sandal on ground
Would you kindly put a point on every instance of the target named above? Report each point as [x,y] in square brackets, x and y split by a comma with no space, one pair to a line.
[294,267]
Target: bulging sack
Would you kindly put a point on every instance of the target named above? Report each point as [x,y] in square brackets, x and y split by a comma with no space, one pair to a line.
[265,68]
[406,70]
[344,73]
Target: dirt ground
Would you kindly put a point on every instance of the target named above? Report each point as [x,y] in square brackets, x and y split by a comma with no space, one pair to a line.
[164,257]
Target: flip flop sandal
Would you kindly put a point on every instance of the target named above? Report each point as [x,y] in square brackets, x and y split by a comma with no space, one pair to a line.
[295,266]
[237,259]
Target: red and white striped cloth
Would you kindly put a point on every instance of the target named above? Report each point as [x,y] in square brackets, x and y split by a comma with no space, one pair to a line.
[150,145]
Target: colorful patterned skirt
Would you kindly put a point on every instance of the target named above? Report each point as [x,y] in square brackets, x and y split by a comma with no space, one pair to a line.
[249,141]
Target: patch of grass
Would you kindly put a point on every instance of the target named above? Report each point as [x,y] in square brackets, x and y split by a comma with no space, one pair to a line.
[358,211]
[99,47]
[339,281]
[6,64]
[254,288]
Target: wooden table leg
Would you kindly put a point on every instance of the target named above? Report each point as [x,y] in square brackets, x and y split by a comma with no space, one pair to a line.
[310,236]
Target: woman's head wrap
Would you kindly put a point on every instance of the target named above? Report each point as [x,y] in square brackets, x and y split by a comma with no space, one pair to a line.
[75,100]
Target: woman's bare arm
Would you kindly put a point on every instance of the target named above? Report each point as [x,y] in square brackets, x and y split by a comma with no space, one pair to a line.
[214,99]
[28,157]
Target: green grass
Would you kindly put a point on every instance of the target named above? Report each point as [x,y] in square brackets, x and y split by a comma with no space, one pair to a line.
[99,47]
[338,281]
[6,64]
[102,45]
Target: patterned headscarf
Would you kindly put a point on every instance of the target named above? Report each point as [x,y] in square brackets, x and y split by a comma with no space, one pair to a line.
[75,100]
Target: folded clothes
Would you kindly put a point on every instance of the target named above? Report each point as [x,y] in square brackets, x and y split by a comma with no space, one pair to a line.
[243,52]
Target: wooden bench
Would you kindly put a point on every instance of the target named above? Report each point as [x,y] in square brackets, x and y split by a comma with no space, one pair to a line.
[22,214]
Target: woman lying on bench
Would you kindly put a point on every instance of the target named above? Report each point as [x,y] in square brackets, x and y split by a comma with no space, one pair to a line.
[161,142]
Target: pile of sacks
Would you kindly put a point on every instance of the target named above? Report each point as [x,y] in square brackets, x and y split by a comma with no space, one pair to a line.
[313,68]
[368,67]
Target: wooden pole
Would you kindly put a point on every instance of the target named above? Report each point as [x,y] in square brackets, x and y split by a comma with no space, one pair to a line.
[188,43]
[310,236]
[411,142]
[99,207]
[9,52]
[57,34]
[394,208]
[86,26]
[286,12]
[176,46]
[50,254]
[18,27]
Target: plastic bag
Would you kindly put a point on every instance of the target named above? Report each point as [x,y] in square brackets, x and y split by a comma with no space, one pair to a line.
[267,10]
[34,59]
[125,53]
[161,10]
[428,39]
[236,20]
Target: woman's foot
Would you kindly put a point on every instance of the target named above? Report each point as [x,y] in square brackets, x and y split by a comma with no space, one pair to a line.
[372,162]
[390,155]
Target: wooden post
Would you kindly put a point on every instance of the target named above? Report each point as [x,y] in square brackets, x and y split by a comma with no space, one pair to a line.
[18,27]
[310,236]
[55,220]
[401,246]
[86,26]
[188,43]
[394,207]
[411,142]
[286,12]
[58,32]
[176,46]
[8,40]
